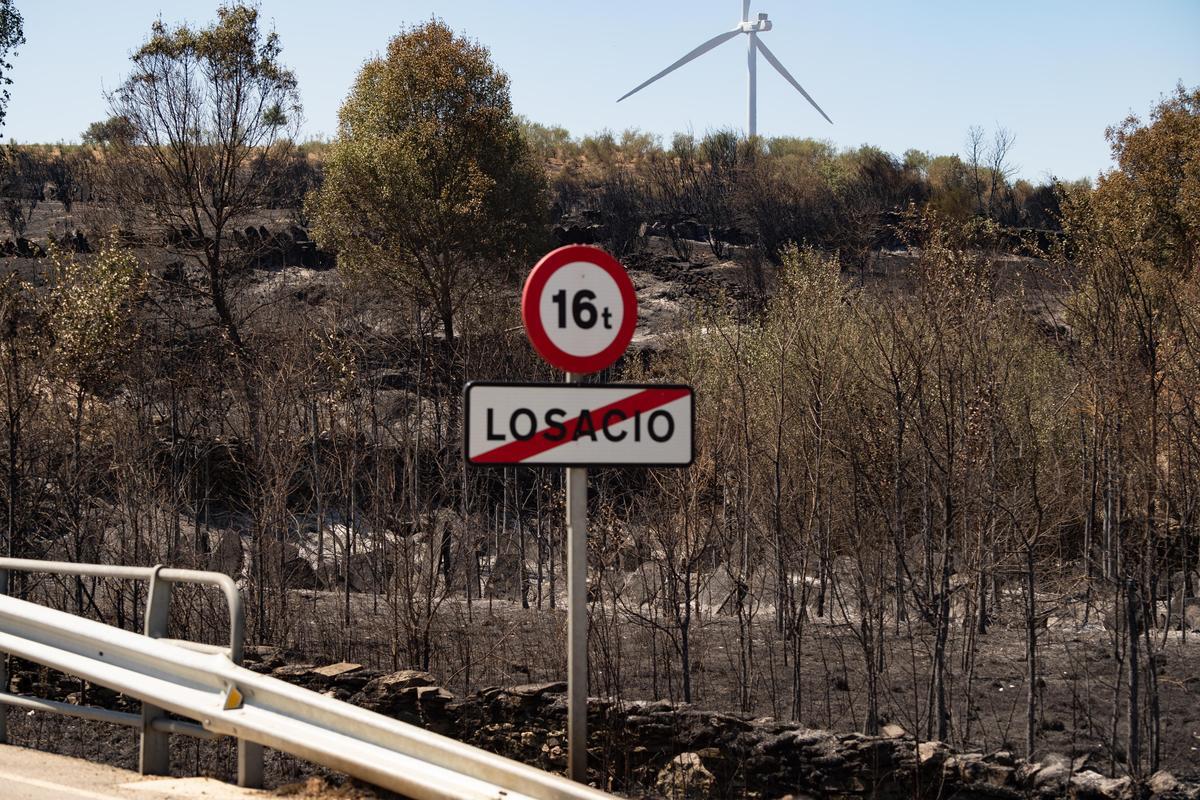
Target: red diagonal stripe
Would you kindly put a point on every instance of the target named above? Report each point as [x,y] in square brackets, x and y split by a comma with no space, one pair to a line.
[639,402]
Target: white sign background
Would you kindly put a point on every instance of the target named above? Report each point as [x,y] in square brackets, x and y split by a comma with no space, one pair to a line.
[571,279]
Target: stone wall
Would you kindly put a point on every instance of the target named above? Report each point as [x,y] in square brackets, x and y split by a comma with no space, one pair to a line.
[658,749]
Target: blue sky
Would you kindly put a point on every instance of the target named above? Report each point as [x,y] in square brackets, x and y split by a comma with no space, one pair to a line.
[890,73]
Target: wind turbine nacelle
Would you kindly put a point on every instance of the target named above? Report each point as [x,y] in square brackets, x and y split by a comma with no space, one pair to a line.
[760,25]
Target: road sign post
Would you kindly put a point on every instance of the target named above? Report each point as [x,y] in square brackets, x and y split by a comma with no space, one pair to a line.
[580,311]
[577,621]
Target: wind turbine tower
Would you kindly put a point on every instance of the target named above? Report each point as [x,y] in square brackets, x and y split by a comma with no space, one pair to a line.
[754,46]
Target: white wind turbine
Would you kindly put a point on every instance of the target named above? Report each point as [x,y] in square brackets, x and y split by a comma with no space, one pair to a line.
[754,47]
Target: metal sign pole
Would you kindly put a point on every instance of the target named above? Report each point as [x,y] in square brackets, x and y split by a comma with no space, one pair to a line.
[577,623]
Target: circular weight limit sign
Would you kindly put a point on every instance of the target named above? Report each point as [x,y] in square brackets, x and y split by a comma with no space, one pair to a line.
[579,308]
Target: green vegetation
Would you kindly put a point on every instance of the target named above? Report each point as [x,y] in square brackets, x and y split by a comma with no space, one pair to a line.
[430,184]
[91,303]
[12,36]
[200,144]
[113,130]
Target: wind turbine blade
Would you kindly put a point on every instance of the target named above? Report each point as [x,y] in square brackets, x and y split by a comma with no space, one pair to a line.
[745,10]
[769,56]
[699,51]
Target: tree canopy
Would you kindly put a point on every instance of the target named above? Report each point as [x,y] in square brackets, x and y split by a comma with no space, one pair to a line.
[1156,189]
[431,182]
[206,122]
[113,130]
[197,136]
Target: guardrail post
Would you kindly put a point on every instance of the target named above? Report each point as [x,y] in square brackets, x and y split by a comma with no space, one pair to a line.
[250,764]
[3,671]
[155,755]
[249,754]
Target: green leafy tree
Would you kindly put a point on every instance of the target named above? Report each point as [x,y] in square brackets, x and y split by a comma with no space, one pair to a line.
[91,302]
[113,130]
[1135,244]
[1155,192]
[90,318]
[211,114]
[548,141]
[430,184]
[12,36]
[197,133]
[950,187]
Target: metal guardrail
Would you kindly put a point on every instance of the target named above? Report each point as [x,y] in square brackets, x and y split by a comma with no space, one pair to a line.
[154,756]
[226,699]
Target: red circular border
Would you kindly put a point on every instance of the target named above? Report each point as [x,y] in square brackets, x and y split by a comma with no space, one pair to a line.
[531,300]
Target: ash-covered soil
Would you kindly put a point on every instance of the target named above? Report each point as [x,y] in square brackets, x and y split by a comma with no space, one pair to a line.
[671,282]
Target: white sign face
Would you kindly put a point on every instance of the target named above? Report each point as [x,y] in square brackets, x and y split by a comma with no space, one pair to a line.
[578,425]
[581,309]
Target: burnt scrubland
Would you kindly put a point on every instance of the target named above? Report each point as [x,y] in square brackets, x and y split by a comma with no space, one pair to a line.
[940,537]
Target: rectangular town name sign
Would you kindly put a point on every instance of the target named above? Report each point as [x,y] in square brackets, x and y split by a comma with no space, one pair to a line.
[575,425]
